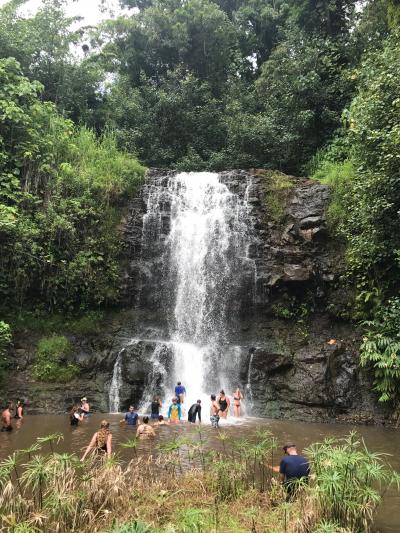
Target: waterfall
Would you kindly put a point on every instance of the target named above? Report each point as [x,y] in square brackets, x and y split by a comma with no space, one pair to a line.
[198,231]
[206,244]
[116,381]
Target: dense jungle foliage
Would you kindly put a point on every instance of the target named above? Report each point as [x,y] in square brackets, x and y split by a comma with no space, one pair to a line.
[302,86]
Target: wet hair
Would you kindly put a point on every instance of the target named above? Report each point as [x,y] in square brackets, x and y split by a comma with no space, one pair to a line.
[160,417]
[287,446]
[198,401]
[145,420]
[222,392]
[213,397]
[179,383]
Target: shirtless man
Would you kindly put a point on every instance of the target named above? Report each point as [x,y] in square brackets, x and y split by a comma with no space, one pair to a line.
[161,421]
[6,417]
[214,410]
[85,407]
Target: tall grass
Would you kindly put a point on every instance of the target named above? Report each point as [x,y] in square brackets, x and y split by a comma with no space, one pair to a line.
[180,487]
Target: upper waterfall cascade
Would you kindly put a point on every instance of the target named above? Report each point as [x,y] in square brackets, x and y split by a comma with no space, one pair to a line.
[204,255]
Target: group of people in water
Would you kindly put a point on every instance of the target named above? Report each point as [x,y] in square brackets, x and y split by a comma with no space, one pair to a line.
[293,467]
[7,415]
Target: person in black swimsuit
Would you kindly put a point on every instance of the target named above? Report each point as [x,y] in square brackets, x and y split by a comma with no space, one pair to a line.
[224,404]
[194,411]
[155,408]
[75,416]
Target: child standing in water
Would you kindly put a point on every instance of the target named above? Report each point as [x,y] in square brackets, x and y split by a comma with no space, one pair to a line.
[174,412]
[214,410]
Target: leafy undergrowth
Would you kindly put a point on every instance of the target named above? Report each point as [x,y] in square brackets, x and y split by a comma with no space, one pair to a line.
[50,363]
[180,487]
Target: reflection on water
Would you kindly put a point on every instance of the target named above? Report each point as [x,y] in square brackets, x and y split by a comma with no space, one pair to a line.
[76,438]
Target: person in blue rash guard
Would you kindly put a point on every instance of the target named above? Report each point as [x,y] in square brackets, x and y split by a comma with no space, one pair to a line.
[131,417]
[293,469]
[174,412]
[180,392]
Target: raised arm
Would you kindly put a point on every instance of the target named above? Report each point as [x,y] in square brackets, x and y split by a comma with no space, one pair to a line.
[109,445]
[91,445]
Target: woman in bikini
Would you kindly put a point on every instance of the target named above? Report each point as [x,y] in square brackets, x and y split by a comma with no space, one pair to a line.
[237,398]
[101,441]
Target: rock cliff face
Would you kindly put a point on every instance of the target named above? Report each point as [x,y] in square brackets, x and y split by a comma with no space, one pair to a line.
[289,352]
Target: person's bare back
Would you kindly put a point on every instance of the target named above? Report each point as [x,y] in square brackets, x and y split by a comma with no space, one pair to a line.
[6,418]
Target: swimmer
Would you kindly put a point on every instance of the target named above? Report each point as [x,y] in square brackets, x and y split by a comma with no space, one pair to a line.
[101,441]
[180,392]
[6,417]
[237,398]
[144,431]
[161,421]
[85,407]
[155,408]
[224,404]
[214,410]
[75,416]
[131,417]
[19,410]
[174,412]
[194,411]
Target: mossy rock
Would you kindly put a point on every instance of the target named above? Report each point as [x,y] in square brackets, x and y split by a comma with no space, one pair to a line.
[278,189]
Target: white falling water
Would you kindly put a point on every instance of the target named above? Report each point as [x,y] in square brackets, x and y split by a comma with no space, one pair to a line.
[204,251]
[207,234]
[116,381]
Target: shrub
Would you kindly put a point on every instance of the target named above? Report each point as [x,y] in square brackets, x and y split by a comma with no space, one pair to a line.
[50,363]
[5,341]
[279,187]
[381,350]
[339,177]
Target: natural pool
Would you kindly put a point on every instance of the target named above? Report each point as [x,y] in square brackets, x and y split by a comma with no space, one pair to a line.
[76,438]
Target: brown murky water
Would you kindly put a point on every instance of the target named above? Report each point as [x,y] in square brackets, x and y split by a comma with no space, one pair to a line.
[76,438]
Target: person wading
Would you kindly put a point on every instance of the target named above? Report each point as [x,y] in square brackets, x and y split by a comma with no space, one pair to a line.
[237,398]
[85,407]
[75,416]
[214,410]
[174,412]
[19,410]
[194,411]
[155,408]
[293,469]
[180,392]
[144,431]
[101,441]
[6,417]
[161,421]
[224,404]
[131,417]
